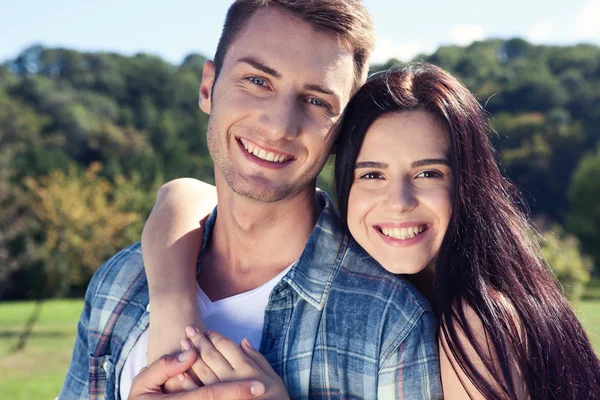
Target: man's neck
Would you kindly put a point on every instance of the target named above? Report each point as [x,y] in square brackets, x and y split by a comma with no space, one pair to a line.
[254,241]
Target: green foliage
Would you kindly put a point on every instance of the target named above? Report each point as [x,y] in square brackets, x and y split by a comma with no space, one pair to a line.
[63,111]
[561,252]
[82,223]
[584,215]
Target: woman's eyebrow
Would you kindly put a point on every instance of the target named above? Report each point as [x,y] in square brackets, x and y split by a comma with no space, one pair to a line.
[370,164]
[430,161]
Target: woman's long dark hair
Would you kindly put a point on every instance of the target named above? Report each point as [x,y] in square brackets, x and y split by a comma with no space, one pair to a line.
[489,260]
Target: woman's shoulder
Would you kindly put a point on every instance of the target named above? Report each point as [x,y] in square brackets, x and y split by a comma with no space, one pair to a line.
[466,343]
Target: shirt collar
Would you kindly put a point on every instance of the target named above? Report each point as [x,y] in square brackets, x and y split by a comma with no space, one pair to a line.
[311,276]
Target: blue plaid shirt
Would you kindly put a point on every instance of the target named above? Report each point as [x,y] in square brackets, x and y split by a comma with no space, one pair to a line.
[337,326]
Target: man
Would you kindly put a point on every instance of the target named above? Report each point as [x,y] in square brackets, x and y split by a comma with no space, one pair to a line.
[336,324]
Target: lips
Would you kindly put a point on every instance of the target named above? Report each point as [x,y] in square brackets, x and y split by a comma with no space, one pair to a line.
[404,233]
[264,154]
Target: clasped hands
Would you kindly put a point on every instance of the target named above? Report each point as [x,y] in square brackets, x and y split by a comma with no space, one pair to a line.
[210,367]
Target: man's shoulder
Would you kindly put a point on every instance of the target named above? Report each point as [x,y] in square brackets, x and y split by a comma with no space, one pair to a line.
[390,309]
[360,271]
[121,270]
[116,286]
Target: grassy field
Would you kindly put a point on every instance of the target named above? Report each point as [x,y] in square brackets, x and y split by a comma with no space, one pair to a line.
[38,371]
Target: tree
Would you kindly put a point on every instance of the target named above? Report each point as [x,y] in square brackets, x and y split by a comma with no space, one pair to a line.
[81,224]
[18,260]
[139,117]
[584,216]
[561,252]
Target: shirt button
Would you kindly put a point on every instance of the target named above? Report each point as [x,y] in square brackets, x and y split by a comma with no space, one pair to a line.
[105,366]
[148,307]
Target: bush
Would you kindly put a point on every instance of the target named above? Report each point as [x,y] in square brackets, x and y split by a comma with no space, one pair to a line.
[571,267]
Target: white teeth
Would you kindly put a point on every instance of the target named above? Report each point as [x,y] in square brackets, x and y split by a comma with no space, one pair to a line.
[403,233]
[261,153]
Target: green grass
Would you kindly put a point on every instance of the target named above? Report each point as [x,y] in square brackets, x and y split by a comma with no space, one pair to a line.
[592,290]
[589,315]
[38,372]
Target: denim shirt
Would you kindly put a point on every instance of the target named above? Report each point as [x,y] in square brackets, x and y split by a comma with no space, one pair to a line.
[336,326]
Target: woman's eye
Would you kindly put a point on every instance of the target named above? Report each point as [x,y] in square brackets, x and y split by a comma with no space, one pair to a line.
[429,174]
[257,81]
[371,175]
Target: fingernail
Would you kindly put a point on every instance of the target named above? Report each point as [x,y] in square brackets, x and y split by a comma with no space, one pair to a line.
[184,356]
[190,331]
[247,343]
[180,377]
[185,344]
[257,389]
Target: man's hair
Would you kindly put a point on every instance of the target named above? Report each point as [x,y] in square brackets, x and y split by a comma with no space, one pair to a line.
[346,19]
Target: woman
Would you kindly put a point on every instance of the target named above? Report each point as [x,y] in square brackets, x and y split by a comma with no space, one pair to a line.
[419,189]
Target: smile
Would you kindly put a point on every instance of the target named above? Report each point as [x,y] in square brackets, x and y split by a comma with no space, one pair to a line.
[264,154]
[403,233]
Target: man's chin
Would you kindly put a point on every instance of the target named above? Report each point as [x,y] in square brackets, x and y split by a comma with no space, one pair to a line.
[261,193]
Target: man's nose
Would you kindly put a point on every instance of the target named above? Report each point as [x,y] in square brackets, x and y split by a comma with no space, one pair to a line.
[281,119]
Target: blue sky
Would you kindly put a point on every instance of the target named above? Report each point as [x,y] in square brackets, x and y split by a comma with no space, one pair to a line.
[173,29]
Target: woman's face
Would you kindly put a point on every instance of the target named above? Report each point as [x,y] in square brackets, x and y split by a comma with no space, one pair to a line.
[400,201]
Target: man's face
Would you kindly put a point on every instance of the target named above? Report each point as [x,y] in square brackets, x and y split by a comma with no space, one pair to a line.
[281,89]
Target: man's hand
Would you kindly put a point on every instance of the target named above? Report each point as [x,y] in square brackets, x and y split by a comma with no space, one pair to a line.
[147,385]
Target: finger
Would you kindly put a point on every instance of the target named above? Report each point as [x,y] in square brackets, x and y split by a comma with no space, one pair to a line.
[200,372]
[258,359]
[228,349]
[240,390]
[173,385]
[149,380]
[186,381]
[209,354]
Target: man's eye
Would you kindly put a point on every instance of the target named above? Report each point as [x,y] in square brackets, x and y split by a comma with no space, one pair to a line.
[257,81]
[316,102]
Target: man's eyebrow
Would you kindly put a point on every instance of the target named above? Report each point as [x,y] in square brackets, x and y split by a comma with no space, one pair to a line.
[430,161]
[370,164]
[260,66]
[320,89]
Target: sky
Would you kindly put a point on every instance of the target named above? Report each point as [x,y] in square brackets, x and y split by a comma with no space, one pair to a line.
[176,28]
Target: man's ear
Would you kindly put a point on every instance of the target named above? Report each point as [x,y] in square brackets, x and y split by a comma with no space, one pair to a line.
[208,80]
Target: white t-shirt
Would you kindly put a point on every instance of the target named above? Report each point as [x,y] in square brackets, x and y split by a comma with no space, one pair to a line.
[237,317]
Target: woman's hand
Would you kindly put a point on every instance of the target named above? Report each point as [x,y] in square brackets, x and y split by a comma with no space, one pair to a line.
[147,385]
[221,360]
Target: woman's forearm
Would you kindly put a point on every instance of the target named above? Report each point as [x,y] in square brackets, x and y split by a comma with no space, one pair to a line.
[170,246]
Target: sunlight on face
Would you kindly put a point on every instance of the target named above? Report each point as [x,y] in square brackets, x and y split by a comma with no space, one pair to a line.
[400,201]
[270,126]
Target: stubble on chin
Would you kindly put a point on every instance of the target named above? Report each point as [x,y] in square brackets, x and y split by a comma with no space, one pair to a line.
[255,188]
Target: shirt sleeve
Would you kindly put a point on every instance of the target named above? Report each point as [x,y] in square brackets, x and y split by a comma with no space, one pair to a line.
[77,381]
[412,370]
